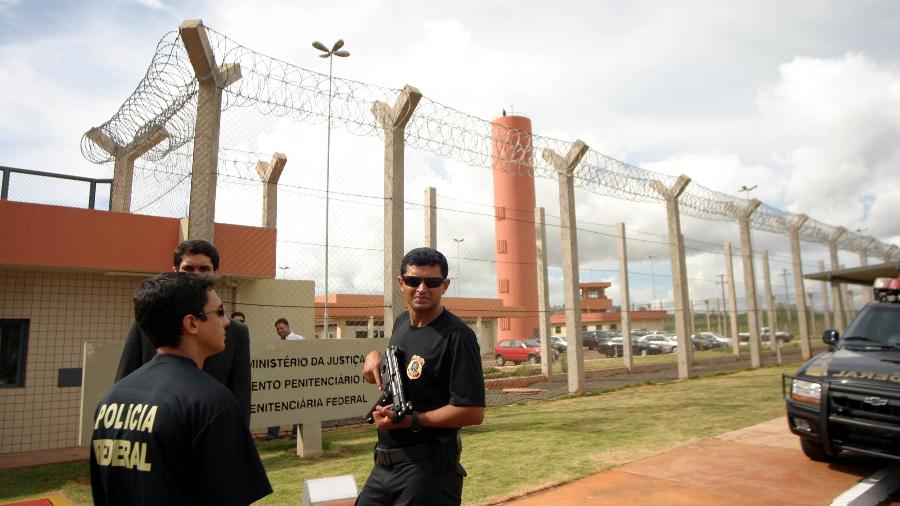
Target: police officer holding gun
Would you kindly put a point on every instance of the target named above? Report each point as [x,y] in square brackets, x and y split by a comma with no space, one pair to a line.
[417,455]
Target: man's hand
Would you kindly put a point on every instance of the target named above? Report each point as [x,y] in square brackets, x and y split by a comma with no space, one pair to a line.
[372,370]
[384,418]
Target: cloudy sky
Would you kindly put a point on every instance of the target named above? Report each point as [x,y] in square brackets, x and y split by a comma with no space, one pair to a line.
[801,98]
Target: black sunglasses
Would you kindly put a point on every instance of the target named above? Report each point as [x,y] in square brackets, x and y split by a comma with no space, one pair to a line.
[415,281]
[220,311]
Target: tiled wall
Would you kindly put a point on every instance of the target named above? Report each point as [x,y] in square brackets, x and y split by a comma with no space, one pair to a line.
[65,311]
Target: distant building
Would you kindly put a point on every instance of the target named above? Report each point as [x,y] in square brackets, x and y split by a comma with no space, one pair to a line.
[597,313]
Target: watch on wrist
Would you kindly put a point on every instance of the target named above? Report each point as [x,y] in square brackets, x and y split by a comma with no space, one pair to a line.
[414,422]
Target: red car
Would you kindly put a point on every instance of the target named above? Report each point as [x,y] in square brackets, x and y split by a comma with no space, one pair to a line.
[517,351]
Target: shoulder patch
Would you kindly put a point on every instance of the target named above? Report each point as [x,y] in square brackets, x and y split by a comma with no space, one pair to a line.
[414,368]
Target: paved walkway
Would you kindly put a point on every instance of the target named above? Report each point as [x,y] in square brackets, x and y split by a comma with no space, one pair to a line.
[757,465]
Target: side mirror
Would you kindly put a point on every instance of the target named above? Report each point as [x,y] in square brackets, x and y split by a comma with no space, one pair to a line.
[830,337]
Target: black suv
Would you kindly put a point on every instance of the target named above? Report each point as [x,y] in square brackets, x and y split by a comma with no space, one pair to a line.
[848,398]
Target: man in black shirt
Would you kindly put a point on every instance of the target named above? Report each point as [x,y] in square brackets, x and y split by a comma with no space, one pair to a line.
[168,433]
[417,457]
[232,366]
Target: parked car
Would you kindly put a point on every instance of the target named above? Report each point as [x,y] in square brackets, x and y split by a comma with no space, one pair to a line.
[721,341]
[559,344]
[593,339]
[704,342]
[518,351]
[667,343]
[783,336]
[614,347]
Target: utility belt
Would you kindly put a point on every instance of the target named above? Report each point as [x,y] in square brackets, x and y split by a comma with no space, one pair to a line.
[443,453]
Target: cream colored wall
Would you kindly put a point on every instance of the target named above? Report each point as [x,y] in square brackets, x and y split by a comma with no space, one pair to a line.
[265,300]
[65,311]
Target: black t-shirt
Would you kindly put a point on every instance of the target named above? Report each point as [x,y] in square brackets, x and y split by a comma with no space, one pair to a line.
[171,434]
[441,365]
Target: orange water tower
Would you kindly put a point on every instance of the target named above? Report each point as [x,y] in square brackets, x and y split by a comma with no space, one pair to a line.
[514,204]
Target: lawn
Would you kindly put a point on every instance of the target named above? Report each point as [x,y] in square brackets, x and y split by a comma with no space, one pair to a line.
[520,448]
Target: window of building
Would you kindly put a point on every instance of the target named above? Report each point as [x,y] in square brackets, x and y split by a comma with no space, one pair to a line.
[13,344]
[558,329]
[504,324]
[499,213]
[503,285]
[593,294]
[501,246]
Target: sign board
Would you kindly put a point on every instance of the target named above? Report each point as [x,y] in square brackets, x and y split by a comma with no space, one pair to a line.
[292,382]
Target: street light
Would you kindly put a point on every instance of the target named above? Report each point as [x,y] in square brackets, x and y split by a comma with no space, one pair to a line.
[652,277]
[328,53]
[748,189]
[458,243]
[284,269]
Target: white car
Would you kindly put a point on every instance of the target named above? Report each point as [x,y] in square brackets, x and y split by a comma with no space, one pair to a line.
[668,343]
[724,342]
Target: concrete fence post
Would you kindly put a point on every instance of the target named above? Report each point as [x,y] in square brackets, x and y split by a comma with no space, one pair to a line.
[826,306]
[123,171]
[394,120]
[683,323]
[212,80]
[799,288]
[543,289]
[625,297]
[431,217]
[270,173]
[565,168]
[732,301]
[743,216]
[837,295]
[770,303]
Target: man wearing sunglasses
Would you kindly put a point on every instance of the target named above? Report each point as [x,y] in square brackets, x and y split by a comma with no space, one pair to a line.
[417,457]
[169,433]
[232,366]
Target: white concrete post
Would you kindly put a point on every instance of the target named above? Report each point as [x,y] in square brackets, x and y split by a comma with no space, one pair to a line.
[393,120]
[770,299]
[837,295]
[732,301]
[625,304]
[543,288]
[270,173]
[212,79]
[799,289]
[565,168]
[683,323]
[743,217]
[431,217]
[123,171]
[708,326]
[864,260]
[370,328]
[826,307]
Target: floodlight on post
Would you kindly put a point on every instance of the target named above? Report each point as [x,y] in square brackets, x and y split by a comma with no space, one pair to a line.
[652,278]
[328,53]
[747,189]
[284,269]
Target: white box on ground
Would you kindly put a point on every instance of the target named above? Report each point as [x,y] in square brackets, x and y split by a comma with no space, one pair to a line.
[334,490]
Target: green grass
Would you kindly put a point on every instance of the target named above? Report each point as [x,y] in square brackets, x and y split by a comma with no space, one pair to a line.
[519,448]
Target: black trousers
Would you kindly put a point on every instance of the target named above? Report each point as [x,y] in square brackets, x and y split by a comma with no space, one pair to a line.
[412,483]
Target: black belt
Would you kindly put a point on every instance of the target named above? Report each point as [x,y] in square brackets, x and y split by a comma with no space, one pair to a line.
[387,457]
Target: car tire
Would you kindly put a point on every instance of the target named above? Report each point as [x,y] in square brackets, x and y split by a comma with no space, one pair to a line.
[532,359]
[814,450]
[674,349]
[500,360]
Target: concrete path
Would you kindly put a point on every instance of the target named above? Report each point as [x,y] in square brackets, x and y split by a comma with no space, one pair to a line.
[762,464]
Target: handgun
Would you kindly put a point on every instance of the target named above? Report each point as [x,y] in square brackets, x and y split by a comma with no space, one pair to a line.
[392,387]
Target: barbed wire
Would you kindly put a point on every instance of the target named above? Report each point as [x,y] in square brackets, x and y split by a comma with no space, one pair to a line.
[166,98]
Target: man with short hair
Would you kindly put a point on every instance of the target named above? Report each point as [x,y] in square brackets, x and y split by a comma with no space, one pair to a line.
[232,366]
[238,316]
[417,457]
[283,328]
[169,433]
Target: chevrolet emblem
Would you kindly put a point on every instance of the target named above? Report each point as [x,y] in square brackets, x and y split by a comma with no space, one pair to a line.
[875,401]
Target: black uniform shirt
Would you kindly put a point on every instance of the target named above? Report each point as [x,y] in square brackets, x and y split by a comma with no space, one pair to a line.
[171,434]
[441,365]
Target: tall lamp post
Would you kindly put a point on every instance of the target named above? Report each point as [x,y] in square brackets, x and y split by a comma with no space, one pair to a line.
[458,244]
[330,54]
[747,189]
[284,269]
[652,278]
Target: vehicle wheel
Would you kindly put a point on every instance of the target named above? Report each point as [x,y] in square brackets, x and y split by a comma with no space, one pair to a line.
[532,359]
[814,450]
[500,360]
[644,352]
[674,349]
[609,354]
